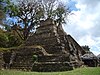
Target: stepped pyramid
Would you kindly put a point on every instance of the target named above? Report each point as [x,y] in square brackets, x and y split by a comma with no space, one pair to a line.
[62,51]
[54,48]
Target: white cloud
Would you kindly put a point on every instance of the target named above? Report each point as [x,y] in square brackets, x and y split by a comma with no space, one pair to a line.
[84,24]
[86,40]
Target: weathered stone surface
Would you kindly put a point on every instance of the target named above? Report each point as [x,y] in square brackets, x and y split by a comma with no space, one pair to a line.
[51,66]
[98,59]
[22,58]
[1,60]
[53,58]
[90,59]
[55,50]
[56,43]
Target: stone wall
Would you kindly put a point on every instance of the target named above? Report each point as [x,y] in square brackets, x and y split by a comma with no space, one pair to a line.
[52,66]
[90,59]
[1,60]
[20,58]
[98,59]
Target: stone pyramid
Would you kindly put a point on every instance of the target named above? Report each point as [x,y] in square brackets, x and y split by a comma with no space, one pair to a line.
[62,51]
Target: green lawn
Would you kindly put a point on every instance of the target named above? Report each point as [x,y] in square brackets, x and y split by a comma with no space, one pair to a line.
[79,71]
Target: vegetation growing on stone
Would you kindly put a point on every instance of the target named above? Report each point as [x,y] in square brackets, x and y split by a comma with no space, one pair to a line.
[35,39]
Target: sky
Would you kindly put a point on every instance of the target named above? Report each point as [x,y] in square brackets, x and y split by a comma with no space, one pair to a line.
[84,24]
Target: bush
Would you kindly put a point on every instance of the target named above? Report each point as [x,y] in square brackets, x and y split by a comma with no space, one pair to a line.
[3,40]
[13,40]
[8,39]
[34,58]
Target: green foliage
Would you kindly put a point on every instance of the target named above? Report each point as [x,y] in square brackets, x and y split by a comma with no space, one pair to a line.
[1,12]
[34,58]
[8,39]
[80,71]
[3,39]
[1,4]
[86,48]
[14,40]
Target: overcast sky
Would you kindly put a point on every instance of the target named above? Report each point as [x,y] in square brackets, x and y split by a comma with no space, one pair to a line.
[84,24]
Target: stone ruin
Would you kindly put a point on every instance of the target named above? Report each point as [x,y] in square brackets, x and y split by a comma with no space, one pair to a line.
[1,60]
[98,59]
[55,51]
[90,59]
[63,52]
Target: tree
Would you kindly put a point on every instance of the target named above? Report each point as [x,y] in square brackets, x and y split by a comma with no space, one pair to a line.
[9,39]
[3,39]
[29,13]
[55,10]
[1,11]
[86,48]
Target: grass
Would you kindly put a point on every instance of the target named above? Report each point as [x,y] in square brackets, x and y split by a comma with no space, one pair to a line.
[79,71]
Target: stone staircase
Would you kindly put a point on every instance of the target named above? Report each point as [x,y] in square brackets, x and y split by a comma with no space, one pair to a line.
[44,63]
[51,66]
[52,62]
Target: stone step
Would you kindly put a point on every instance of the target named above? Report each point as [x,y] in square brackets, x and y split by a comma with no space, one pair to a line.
[46,41]
[1,64]
[51,66]
[53,58]
[22,66]
[52,49]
